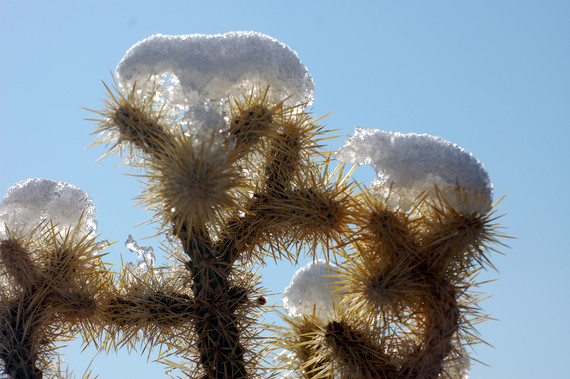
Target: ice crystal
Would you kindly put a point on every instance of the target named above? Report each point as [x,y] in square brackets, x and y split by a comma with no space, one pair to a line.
[145,255]
[458,366]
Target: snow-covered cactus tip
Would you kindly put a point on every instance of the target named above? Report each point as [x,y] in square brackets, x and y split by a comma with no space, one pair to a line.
[204,70]
[30,202]
[408,165]
[310,292]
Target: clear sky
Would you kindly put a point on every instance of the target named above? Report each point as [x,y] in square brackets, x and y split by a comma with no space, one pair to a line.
[492,76]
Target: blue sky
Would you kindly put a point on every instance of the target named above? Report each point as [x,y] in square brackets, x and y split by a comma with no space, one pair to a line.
[491,76]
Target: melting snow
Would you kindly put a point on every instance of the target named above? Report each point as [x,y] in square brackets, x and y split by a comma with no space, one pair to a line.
[145,254]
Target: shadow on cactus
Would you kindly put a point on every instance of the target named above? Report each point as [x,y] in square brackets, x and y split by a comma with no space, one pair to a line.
[235,173]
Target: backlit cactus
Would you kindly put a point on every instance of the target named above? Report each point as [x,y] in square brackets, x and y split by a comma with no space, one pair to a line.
[235,173]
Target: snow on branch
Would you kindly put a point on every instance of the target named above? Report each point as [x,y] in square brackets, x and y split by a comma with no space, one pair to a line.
[30,202]
[310,291]
[408,165]
[204,70]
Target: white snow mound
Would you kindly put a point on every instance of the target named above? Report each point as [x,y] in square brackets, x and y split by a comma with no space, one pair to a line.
[30,202]
[205,70]
[309,291]
[408,165]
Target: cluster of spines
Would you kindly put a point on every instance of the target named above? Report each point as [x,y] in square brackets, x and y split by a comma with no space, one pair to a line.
[124,113]
[406,309]
[53,283]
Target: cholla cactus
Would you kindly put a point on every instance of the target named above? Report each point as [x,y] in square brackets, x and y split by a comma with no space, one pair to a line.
[233,169]
[52,274]
[219,130]
[402,304]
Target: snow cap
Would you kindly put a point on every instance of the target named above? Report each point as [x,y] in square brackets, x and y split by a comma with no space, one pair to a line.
[408,165]
[30,202]
[207,69]
[310,291]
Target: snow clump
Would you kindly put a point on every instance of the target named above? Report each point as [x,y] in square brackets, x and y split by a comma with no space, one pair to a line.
[408,165]
[31,202]
[310,292]
[205,70]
